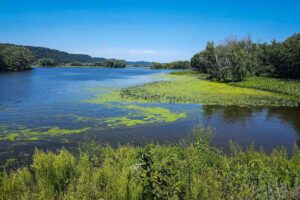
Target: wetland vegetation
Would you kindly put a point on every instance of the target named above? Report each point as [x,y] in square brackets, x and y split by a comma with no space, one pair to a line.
[192,169]
[283,86]
[190,87]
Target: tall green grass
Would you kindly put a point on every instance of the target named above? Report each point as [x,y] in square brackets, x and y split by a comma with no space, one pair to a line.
[190,170]
[283,86]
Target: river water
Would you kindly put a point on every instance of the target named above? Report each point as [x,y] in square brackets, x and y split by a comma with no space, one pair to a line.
[57,98]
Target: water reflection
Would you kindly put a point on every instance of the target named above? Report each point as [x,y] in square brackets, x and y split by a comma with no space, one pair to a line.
[269,127]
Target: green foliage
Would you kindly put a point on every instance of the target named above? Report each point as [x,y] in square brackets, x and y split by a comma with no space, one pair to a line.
[231,61]
[283,86]
[53,173]
[171,65]
[17,185]
[14,58]
[47,62]
[236,59]
[60,56]
[50,57]
[191,170]
[285,57]
[112,63]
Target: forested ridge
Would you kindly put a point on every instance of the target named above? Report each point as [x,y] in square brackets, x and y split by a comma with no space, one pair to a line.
[58,56]
[18,58]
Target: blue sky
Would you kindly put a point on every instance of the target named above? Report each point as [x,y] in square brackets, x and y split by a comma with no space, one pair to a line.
[143,30]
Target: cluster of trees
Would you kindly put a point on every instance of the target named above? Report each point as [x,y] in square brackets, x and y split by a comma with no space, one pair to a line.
[236,59]
[13,58]
[47,62]
[112,63]
[171,65]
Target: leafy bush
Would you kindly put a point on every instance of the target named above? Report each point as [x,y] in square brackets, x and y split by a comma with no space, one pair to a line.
[190,170]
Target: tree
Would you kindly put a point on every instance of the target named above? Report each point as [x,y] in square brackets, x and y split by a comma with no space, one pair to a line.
[231,61]
[2,65]
[15,58]
[281,59]
[156,65]
[199,62]
[291,57]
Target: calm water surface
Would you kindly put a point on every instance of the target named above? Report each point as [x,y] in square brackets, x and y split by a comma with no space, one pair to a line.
[51,97]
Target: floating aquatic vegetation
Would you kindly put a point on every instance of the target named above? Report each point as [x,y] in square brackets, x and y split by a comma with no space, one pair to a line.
[137,115]
[145,115]
[32,135]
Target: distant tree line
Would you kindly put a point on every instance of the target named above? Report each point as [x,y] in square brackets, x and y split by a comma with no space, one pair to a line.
[171,65]
[61,57]
[47,62]
[236,59]
[18,58]
[138,64]
[112,63]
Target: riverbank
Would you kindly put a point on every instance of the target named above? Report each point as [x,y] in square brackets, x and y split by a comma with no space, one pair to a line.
[191,169]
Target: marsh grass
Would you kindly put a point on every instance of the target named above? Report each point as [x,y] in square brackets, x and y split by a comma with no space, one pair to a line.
[289,87]
[191,170]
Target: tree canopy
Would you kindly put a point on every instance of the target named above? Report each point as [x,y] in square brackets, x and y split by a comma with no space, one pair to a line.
[14,58]
[112,63]
[171,65]
[236,59]
[47,62]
